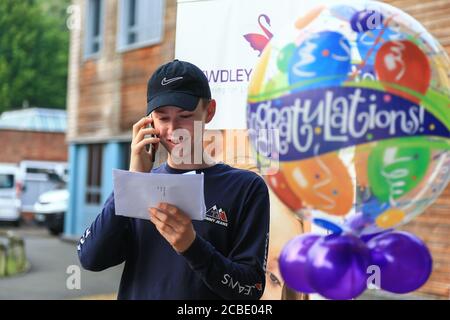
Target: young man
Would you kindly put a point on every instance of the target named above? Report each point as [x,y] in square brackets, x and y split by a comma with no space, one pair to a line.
[170,256]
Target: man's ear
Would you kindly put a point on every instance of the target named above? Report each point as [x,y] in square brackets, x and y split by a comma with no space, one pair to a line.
[210,110]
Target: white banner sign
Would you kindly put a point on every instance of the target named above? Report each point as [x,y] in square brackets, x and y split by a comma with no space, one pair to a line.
[224,38]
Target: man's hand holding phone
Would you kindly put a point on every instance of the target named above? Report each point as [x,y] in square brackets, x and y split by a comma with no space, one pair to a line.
[144,135]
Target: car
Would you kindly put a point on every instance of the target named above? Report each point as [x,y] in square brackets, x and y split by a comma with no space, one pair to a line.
[37,177]
[51,208]
[9,194]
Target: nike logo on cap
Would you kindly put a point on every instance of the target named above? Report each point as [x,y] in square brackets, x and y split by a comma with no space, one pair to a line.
[165,81]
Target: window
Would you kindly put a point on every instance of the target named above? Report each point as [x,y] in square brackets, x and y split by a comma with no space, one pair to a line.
[131,22]
[94,174]
[126,155]
[140,23]
[94,27]
[6,181]
[39,170]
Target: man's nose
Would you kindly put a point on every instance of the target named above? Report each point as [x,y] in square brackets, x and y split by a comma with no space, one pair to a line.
[171,127]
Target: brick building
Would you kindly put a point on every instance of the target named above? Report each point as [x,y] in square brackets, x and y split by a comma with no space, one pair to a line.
[34,139]
[111,58]
[33,134]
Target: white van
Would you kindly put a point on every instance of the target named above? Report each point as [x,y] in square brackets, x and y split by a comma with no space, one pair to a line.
[9,194]
[37,177]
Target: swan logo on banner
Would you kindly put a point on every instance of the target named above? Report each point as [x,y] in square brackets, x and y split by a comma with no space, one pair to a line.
[259,41]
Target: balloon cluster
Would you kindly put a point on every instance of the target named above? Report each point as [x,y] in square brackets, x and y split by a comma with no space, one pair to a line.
[343,266]
[347,111]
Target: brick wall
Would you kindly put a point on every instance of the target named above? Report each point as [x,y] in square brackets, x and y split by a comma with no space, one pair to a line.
[433,14]
[30,145]
[433,226]
[98,101]
[137,67]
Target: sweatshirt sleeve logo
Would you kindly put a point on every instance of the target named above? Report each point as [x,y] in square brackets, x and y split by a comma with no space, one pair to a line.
[83,238]
[244,289]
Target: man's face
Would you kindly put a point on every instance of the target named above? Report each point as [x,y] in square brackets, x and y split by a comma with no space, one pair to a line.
[180,129]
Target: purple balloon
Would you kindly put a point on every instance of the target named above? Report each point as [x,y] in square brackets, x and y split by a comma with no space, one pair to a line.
[337,266]
[293,260]
[367,237]
[404,260]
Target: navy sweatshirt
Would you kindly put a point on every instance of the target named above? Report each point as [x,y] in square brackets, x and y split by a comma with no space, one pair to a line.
[227,259]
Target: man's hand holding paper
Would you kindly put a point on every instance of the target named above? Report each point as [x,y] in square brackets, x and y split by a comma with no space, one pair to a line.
[136,192]
[174,225]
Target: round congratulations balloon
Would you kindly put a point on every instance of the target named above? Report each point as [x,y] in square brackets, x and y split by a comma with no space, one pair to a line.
[355,98]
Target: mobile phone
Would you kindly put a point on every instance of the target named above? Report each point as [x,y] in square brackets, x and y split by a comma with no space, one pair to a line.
[150,125]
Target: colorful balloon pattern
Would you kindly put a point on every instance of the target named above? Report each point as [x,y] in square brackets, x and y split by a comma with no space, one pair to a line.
[397,167]
[402,63]
[325,56]
[323,182]
[373,86]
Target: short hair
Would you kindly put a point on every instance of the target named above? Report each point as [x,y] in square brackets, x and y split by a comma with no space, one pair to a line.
[204,102]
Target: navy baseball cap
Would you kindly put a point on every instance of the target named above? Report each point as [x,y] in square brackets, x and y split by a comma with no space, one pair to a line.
[177,83]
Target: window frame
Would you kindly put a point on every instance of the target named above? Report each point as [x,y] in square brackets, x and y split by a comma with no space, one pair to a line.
[88,38]
[123,28]
[94,174]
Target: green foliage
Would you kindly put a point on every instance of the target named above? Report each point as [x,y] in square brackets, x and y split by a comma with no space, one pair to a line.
[34,44]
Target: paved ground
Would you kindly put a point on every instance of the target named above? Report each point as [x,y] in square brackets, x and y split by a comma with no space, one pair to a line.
[50,257]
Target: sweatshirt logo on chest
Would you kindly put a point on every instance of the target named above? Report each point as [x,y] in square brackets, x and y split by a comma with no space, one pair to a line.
[217,215]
